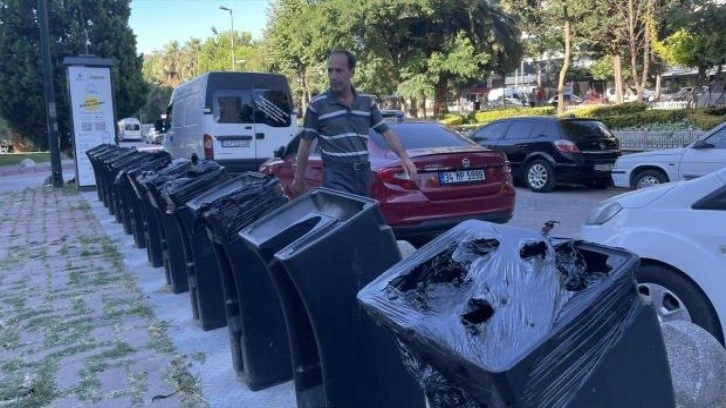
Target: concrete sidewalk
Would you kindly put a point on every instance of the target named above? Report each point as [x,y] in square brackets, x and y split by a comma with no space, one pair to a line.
[75,329]
[85,321]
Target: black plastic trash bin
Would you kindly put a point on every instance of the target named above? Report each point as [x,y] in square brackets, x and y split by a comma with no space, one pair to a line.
[111,167]
[123,206]
[153,233]
[202,273]
[92,155]
[155,161]
[172,245]
[320,250]
[258,337]
[498,316]
[103,159]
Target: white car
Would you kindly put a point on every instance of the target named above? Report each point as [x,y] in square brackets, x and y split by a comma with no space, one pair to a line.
[705,155]
[679,232]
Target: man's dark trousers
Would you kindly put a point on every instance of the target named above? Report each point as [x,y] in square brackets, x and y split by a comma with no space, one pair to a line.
[346,176]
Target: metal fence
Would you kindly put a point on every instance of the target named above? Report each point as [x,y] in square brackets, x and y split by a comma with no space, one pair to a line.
[650,140]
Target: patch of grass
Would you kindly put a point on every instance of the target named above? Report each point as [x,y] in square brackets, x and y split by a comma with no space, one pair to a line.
[183,382]
[16,158]
[160,342]
[81,206]
[12,366]
[33,388]
[139,386]
[86,240]
[79,305]
[9,336]
[66,332]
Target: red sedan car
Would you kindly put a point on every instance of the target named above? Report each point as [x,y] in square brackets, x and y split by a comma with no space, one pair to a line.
[457,179]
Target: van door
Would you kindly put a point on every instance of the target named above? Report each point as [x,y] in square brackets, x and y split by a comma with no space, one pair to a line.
[274,122]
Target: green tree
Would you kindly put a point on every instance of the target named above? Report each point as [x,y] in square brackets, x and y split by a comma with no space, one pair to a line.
[104,23]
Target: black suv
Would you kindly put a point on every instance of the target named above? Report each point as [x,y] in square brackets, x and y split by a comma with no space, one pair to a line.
[547,150]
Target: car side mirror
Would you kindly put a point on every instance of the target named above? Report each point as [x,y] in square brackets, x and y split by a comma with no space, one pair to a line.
[279,152]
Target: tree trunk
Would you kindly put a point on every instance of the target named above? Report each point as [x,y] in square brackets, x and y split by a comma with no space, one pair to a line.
[414,107]
[440,107]
[657,88]
[565,63]
[618,73]
[423,105]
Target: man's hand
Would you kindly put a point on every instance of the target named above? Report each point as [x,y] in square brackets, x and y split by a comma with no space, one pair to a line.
[298,186]
[411,170]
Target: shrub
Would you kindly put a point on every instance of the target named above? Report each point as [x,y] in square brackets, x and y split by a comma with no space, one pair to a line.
[704,121]
[487,116]
[451,119]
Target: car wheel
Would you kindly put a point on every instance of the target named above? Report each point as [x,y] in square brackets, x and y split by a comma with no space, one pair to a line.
[676,297]
[540,176]
[648,178]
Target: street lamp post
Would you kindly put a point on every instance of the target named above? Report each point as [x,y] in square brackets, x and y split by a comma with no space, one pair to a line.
[231,18]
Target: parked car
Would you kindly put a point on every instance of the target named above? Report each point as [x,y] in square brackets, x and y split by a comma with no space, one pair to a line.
[677,230]
[547,150]
[153,136]
[570,99]
[629,95]
[646,169]
[457,179]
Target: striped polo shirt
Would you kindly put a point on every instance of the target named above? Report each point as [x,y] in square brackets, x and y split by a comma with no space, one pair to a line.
[342,131]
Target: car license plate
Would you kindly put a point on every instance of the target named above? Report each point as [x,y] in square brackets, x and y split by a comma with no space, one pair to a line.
[604,167]
[464,176]
[235,143]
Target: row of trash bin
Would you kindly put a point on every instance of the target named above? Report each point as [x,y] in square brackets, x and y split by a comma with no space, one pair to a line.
[314,290]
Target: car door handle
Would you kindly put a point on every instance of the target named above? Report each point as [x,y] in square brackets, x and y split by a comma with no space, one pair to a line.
[259,136]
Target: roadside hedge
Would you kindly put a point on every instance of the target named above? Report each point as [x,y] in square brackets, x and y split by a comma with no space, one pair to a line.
[621,116]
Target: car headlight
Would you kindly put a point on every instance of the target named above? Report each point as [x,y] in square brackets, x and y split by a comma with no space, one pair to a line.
[601,214]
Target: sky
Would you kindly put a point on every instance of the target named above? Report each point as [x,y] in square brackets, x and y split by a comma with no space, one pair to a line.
[158,22]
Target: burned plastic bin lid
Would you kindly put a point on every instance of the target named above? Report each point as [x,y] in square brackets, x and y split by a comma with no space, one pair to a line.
[196,180]
[156,161]
[482,297]
[108,159]
[227,216]
[131,163]
[170,172]
[203,202]
[118,164]
[93,152]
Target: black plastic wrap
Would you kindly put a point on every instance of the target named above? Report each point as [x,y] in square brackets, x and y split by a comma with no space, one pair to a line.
[168,173]
[228,215]
[196,180]
[488,315]
[139,160]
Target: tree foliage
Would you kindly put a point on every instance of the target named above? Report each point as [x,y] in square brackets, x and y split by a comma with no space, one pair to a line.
[103,22]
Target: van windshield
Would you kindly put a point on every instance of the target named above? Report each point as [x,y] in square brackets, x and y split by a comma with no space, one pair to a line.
[260,106]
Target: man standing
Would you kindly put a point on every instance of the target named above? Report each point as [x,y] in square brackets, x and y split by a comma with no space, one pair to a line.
[340,118]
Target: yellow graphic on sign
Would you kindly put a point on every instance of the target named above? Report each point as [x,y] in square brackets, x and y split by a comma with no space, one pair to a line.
[91,103]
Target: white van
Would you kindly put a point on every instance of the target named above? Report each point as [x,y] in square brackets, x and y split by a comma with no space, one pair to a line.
[129,129]
[234,118]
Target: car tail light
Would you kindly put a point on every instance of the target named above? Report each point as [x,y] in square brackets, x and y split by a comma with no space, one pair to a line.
[397,176]
[208,147]
[508,180]
[566,146]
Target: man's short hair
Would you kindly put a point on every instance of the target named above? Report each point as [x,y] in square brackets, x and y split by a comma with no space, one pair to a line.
[348,55]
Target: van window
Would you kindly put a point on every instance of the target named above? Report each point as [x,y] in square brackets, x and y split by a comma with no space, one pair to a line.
[272,108]
[191,111]
[177,115]
[261,106]
[131,126]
